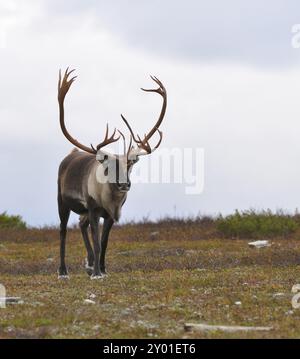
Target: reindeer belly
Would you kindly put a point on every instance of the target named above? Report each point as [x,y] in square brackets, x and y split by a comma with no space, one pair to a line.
[79,207]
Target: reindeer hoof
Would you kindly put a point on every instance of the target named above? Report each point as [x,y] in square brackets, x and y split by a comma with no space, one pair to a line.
[89,269]
[64,277]
[96,277]
[87,266]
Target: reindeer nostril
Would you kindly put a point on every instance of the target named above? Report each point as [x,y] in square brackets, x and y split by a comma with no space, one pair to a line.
[124,186]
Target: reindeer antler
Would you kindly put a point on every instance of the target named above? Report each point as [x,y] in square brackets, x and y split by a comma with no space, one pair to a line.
[143,145]
[63,88]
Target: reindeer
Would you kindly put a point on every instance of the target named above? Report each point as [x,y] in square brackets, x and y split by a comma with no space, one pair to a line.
[94,183]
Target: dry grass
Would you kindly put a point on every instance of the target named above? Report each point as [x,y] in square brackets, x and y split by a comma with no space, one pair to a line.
[156,284]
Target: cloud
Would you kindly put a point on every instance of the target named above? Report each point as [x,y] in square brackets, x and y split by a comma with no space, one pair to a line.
[255,33]
[245,117]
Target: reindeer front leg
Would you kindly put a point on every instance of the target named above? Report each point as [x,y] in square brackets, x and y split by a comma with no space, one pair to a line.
[94,223]
[108,223]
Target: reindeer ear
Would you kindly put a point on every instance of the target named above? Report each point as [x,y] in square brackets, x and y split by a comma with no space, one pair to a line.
[132,159]
[132,162]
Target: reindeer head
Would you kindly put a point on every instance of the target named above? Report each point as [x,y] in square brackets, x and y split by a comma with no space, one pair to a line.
[116,169]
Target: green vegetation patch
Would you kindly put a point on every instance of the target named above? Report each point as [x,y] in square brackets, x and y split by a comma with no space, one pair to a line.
[8,221]
[252,224]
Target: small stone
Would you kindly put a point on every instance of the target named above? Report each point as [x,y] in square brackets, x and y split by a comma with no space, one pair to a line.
[190,252]
[11,300]
[225,328]
[37,304]
[259,244]
[89,301]
[277,295]
[125,311]
[238,303]
[289,312]
[149,307]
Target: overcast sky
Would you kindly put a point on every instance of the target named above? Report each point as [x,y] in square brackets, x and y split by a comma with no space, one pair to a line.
[233,81]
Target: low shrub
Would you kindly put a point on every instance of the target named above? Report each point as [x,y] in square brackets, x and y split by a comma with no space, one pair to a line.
[9,221]
[252,224]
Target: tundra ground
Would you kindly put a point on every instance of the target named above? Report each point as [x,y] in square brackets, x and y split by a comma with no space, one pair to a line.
[157,283]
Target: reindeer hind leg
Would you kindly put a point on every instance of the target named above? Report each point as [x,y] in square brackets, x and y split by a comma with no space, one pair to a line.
[64,214]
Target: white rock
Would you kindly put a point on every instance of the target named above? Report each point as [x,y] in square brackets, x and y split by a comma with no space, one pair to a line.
[11,300]
[125,311]
[289,312]
[259,244]
[238,303]
[276,295]
[224,328]
[89,301]
[296,288]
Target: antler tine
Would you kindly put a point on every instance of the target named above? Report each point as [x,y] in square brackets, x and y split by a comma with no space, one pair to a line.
[93,148]
[126,151]
[106,132]
[129,147]
[160,84]
[63,84]
[124,141]
[130,129]
[145,144]
[108,140]
[160,139]
[161,89]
